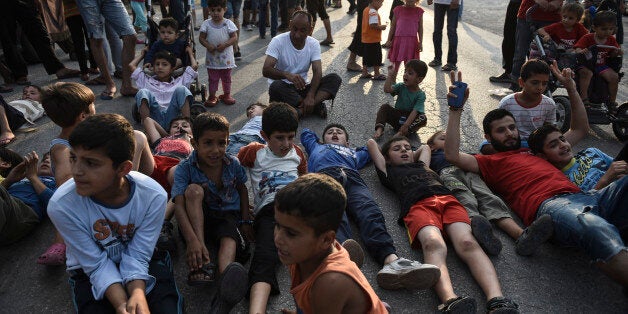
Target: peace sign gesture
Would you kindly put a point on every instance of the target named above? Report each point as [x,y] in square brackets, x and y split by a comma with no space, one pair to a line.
[458,92]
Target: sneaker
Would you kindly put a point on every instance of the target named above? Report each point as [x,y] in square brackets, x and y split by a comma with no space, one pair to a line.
[504,78]
[356,254]
[231,289]
[502,305]
[227,99]
[459,305]
[534,235]
[449,67]
[237,56]
[435,63]
[403,273]
[249,28]
[166,241]
[483,233]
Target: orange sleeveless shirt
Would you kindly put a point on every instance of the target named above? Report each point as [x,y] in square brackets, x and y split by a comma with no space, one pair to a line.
[335,262]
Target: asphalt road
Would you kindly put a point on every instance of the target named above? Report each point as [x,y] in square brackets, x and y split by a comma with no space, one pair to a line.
[555,280]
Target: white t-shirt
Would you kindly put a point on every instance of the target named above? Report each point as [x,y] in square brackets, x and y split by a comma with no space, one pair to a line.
[218,34]
[270,173]
[530,119]
[290,59]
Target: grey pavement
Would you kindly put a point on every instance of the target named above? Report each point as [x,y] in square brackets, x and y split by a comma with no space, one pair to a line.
[555,280]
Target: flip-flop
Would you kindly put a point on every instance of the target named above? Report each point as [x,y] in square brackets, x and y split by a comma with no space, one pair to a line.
[380,77]
[327,42]
[68,73]
[54,255]
[107,95]
[354,68]
[99,80]
[6,141]
[367,76]
[208,270]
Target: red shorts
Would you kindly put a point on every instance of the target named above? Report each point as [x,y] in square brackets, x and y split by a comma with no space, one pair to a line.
[437,211]
[160,172]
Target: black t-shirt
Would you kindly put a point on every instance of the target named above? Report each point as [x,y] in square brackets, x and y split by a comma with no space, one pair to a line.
[412,182]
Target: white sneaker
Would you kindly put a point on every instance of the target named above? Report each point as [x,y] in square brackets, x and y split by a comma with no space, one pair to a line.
[403,273]
[249,27]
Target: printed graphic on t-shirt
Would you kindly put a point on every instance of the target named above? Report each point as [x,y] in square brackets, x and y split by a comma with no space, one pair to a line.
[112,237]
[272,180]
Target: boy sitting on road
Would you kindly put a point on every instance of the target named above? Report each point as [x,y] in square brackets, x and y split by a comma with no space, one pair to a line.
[110,218]
[530,107]
[161,96]
[271,166]
[308,211]
[429,209]
[25,193]
[335,158]
[211,200]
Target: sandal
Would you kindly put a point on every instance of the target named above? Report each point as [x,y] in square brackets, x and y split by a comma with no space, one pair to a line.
[99,80]
[327,42]
[107,95]
[6,141]
[54,255]
[458,305]
[209,274]
[501,305]
[354,67]
[366,76]
[379,77]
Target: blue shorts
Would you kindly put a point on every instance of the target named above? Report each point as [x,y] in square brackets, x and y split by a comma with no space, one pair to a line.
[95,12]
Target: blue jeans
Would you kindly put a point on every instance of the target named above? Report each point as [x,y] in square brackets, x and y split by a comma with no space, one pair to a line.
[274,10]
[233,9]
[365,212]
[592,220]
[237,141]
[157,113]
[440,10]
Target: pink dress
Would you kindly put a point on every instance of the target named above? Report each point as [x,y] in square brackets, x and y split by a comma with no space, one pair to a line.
[405,44]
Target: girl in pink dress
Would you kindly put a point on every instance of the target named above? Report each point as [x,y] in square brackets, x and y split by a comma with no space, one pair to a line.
[406,24]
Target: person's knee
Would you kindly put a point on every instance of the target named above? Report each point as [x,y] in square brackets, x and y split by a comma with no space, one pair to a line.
[433,243]
[467,243]
[194,192]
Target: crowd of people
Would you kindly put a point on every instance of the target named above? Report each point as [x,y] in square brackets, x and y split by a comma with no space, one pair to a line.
[112,192]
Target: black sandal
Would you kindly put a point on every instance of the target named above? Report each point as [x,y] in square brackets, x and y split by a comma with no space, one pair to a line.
[208,271]
[459,305]
[502,305]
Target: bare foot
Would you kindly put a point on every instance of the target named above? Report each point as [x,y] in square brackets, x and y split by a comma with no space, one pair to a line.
[128,91]
[6,138]
[108,93]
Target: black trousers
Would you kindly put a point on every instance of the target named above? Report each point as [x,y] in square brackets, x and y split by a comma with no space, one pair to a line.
[25,13]
[510,29]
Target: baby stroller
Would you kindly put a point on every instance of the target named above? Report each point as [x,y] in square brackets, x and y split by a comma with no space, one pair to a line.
[186,32]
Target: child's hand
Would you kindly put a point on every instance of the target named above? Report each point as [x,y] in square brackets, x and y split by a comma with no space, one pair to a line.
[137,304]
[210,48]
[30,161]
[189,49]
[17,173]
[547,38]
[403,130]
[122,309]
[197,255]
[148,66]
[565,77]
[221,47]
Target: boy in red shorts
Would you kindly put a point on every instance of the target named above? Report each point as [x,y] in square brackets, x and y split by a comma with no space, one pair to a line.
[428,209]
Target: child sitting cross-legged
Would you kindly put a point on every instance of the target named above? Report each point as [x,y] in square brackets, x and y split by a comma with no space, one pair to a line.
[110,217]
[308,212]
[408,114]
[162,96]
[427,210]
[211,201]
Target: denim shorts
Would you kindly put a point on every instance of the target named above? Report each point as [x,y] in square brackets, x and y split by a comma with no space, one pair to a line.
[233,9]
[94,13]
[591,221]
